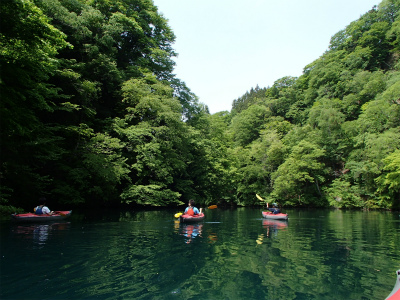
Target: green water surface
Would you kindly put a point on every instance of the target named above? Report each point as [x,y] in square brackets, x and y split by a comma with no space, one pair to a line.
[232,254]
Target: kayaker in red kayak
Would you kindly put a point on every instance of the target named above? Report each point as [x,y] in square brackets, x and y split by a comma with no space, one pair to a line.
[42,209]
[274,209]
[191,210]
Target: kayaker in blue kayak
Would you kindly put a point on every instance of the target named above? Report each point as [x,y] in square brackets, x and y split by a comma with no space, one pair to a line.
[274,209]
[191,210]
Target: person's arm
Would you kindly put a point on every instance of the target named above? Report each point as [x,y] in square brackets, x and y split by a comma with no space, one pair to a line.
[47,211]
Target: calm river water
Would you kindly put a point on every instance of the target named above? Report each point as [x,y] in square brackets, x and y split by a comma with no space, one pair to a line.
[232,254]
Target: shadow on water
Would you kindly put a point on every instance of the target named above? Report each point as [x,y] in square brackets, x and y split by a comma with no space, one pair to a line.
[232,254]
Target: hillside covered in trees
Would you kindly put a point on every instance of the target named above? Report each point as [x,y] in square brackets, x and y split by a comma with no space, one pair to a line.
[92,114]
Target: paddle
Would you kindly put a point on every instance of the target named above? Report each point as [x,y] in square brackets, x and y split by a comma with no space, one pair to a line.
[60,213]
[212,207]
[259,197]
[177,215]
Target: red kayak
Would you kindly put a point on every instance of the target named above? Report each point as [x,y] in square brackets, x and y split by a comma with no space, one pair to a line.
[395,294]
[270,215]
[32,217]
[189,219]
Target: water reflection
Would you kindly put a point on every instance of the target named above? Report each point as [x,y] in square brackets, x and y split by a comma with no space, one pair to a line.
[39,233]
[191,231]
[273,226]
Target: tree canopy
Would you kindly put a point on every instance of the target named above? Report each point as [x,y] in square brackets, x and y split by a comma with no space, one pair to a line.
[92,114]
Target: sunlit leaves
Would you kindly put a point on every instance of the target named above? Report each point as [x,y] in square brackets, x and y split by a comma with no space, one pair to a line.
[360,88]
[247,125]
[394,35]
[389,181]
[342,194]
[154,195]
[29,44]
[300,171]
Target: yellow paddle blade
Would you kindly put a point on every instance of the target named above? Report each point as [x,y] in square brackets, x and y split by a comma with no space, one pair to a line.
[177,215]
[212,207]
[259,198]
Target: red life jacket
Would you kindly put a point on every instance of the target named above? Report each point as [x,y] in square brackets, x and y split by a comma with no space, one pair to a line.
[190,211]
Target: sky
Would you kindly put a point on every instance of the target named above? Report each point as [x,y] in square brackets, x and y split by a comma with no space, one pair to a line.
[227,47]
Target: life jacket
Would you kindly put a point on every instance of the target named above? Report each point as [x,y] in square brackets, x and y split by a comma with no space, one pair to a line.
[190,211]
[38,210]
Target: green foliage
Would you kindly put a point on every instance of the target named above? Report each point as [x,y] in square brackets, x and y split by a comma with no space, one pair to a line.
[341,194]
[28,47]
[246,126]
[300,175]
[91,113]
[282,95]
[7,210]
[152,194]
[389,182]
[345,105]
[72,154]
[29,44]
[254,96]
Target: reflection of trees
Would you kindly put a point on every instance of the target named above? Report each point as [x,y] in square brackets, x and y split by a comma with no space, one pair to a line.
[301,262]
[142,258]
[329,255]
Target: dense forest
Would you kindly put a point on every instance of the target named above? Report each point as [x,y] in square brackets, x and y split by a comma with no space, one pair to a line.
[93,115]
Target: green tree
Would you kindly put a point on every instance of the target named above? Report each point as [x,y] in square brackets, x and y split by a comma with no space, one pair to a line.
[298,179]
[29,44]
[342,194]
[256,164]
[254,96]
[282,95]
[365,161]
[389,182]
[361,88]
[153,130]
[247,125]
